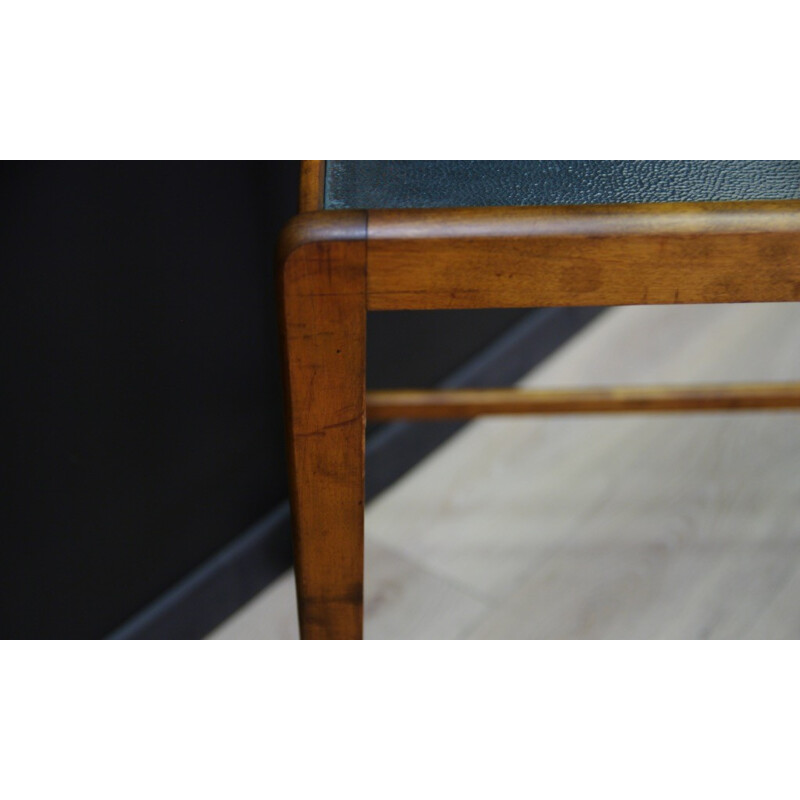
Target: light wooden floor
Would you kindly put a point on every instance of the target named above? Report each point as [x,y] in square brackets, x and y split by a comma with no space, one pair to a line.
[662,526]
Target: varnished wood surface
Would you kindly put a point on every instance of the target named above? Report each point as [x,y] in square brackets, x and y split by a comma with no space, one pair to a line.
[467,403]
[571,256]
[312,186]
[321,226]
[598,527]
[323,292]
[584,255]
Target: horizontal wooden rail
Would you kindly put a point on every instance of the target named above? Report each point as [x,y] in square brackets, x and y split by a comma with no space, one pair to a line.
[583,255]
[465,403]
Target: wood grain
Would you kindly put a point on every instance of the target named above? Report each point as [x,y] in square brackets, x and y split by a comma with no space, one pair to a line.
[312,186]
[322,286]
[584,255]
[467,403]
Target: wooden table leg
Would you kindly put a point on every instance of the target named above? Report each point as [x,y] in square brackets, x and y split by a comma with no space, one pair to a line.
[323,295]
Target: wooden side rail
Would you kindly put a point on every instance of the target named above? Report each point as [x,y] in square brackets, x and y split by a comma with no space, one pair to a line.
[467,403]
[584,255]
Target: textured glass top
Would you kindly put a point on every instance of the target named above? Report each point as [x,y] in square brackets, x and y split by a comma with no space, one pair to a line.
[432,184]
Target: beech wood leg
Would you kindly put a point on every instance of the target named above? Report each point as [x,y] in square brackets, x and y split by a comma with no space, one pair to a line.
[323,292]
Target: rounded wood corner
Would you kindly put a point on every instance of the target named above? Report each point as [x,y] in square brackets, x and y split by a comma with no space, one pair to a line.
[317,227]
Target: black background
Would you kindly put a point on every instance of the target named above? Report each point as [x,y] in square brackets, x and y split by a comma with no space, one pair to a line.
[142,411]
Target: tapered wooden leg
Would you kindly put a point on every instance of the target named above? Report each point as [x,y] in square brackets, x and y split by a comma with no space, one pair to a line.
[323,291]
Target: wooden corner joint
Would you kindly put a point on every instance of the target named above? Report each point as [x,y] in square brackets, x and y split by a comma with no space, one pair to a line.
[319,228]
[559,256]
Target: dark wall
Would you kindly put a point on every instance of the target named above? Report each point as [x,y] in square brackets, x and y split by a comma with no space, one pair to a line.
[142,418]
